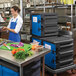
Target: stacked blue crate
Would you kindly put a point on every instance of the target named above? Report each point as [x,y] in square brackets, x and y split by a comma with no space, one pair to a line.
[36,25]
[36,40]
[50,56]
[61,47]
[8,72]
[1,70]
[45,31]
[7,69]
[44,25]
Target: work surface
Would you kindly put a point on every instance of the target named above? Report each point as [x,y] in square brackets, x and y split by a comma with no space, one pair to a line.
[8,57]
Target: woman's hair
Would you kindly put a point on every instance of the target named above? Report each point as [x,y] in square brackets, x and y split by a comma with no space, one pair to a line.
[16,8]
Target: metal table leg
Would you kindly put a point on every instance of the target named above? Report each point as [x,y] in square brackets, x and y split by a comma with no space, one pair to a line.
[43,67]
[21,71]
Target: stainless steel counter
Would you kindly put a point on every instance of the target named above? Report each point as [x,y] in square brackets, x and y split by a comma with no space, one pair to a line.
[8,57]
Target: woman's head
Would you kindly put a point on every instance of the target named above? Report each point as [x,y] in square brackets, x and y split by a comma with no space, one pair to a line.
[15,10]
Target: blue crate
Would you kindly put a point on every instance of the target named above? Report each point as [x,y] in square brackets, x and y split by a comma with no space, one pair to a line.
[52,46]
[50,57]
[1,70]
[8,72]
[50,60]
[37,40]
[36,25]
[44,25]
[55,57]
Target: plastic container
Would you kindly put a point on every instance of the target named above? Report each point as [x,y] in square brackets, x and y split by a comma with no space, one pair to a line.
[36,40]
[61,48]
[9,69]
[8,72]
[1,70]
[44,24]
[33,69]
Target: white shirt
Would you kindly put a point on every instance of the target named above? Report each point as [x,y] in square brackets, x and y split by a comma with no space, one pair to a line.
[19,23]
[1,19]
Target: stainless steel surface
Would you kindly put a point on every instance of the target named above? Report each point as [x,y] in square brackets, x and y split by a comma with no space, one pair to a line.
[74,36]
[72,17]
[44,6]
[21,7]
[8,57]
[21,71]
[43,69]
[75,10]
[34,3]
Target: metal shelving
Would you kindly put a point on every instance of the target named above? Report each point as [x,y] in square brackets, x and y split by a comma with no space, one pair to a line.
[51,6]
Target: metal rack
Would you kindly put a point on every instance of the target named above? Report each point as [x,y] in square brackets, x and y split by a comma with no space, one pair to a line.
[51,6]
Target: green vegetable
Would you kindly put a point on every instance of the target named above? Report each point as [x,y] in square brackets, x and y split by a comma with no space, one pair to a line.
[20,55]
[23,54]
[30,53]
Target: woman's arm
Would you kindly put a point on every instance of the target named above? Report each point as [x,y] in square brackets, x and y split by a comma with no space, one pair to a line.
[12,30]
[17,28]
[6,28]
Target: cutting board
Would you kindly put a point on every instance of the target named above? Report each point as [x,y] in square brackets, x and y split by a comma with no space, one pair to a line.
[27,47]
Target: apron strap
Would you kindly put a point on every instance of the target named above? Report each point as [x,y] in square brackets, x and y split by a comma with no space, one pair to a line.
[11,20]
[16,20]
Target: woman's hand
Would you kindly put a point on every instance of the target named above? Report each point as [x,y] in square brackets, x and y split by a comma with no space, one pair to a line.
[4,29]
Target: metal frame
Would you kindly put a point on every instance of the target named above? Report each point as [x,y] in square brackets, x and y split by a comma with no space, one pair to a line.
[7,57]
[72,18]
[44,8]
[21,7]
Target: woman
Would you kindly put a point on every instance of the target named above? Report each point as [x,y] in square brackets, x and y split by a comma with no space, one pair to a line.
[15,25]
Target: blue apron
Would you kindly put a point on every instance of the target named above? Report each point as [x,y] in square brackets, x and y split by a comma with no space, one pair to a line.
[14,36]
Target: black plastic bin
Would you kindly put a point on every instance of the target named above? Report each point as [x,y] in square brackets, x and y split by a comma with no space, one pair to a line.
[33,69]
